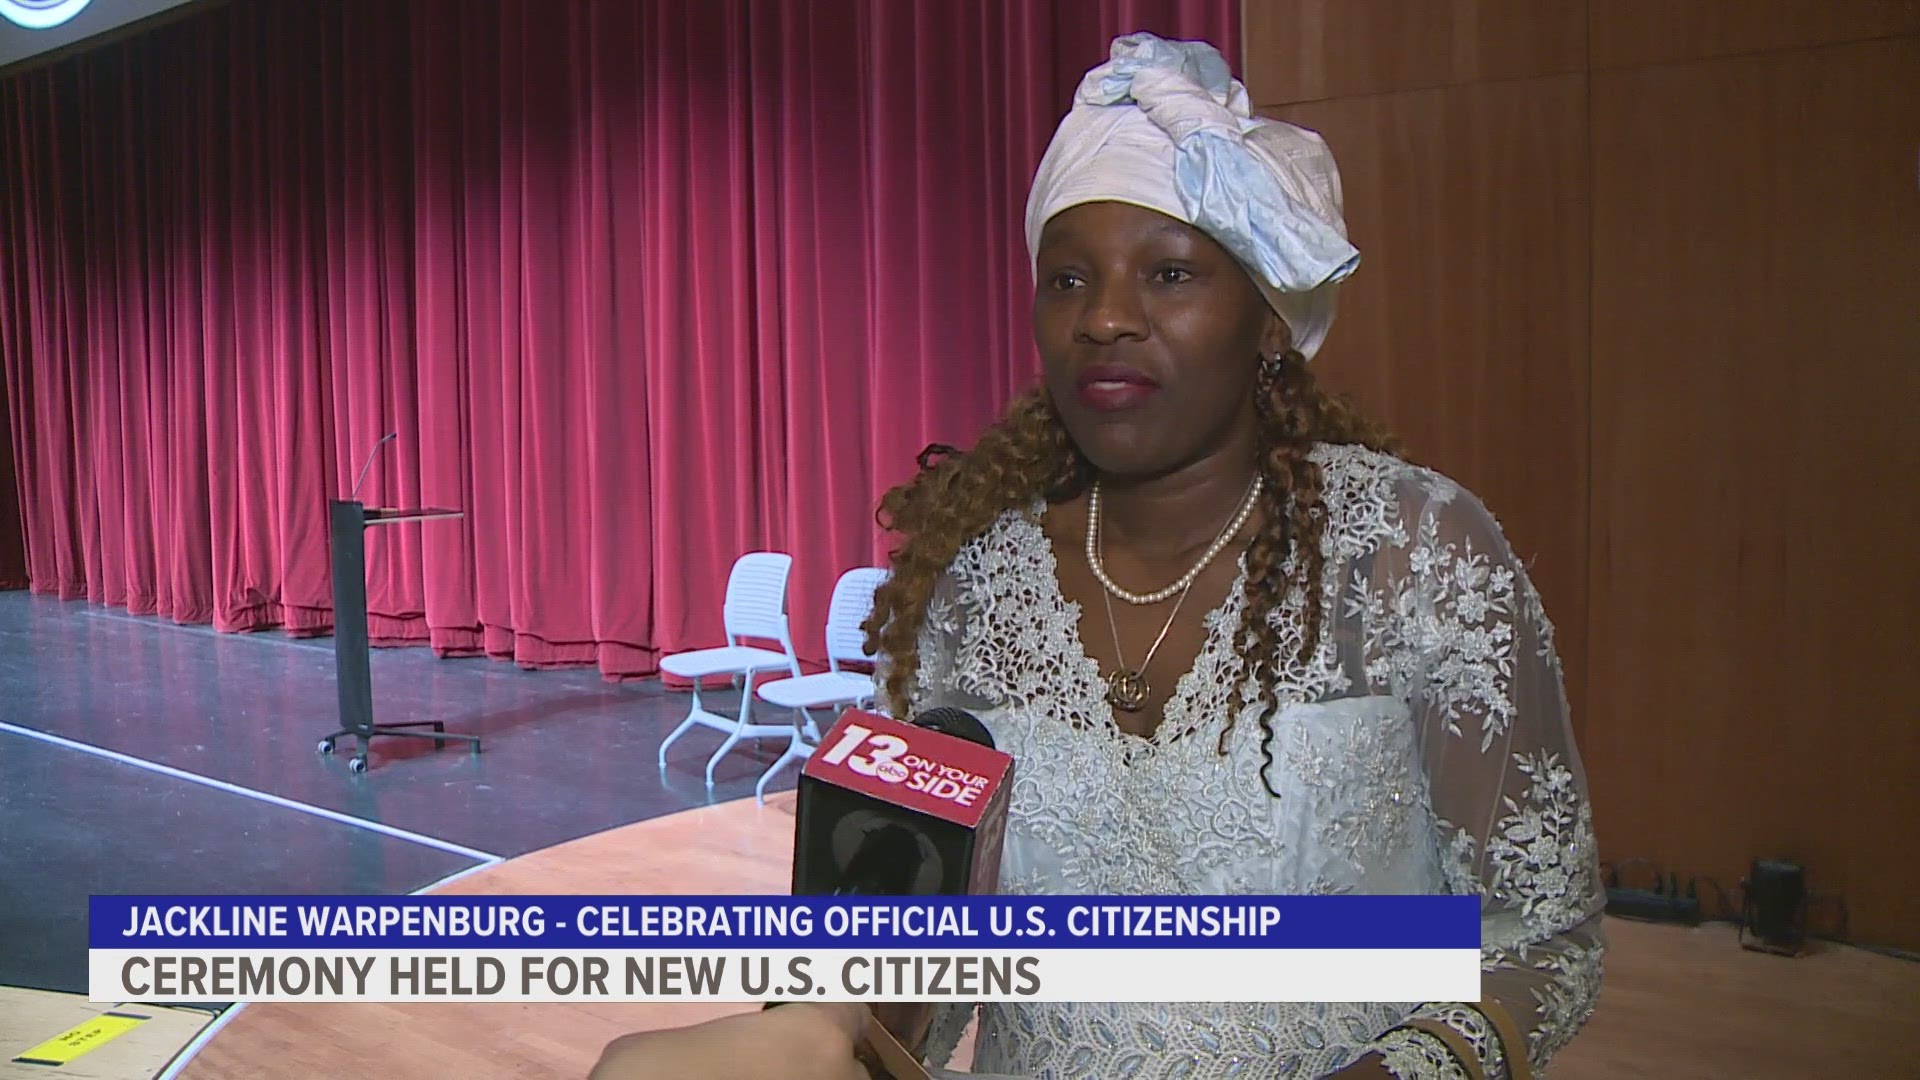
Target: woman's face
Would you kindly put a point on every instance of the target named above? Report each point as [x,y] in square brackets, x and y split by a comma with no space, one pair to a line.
[1151,336]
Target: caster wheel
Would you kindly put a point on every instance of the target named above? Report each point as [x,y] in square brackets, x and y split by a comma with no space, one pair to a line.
[358,765]
[326,746]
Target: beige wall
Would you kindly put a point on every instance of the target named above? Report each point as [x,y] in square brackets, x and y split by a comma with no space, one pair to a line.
[1646,276]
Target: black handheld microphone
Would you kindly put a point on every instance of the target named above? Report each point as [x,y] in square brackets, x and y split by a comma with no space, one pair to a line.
[893,809]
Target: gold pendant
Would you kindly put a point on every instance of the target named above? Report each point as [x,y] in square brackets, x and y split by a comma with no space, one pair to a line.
[1127,690]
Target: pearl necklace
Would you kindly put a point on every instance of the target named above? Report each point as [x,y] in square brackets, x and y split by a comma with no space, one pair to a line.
[1187,579]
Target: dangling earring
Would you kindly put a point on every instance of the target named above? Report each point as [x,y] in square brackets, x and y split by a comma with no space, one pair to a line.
[1270,370]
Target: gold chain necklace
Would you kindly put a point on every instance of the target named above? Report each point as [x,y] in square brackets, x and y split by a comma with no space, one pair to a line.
[1127,688]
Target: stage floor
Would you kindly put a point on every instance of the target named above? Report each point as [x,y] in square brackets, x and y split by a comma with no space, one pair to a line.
[140,756]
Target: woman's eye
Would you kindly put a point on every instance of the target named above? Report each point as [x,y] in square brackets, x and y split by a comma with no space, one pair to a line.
[1064,280]
[1172,275]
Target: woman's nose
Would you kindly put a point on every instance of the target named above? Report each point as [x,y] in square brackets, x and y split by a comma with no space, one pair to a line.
[1112,313]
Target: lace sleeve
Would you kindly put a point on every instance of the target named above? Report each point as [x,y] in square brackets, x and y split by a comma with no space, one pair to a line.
[1471,646]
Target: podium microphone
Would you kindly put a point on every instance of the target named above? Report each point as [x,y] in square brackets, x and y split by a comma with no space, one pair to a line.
[384,440]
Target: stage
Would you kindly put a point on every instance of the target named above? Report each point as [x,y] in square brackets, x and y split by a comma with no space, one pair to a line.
[141,756]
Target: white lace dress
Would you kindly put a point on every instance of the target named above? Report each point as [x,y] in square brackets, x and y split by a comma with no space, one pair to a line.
[1425,750]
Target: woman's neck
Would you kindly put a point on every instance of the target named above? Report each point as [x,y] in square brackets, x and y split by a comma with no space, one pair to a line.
[1165,518]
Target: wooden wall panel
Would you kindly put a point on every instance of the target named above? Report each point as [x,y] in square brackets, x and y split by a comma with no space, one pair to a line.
[1743,391]
[1632,33]
[1466,326]
[1755,603]
[1306,50]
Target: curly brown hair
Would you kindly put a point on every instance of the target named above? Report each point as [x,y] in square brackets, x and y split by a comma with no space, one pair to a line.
[1028,455]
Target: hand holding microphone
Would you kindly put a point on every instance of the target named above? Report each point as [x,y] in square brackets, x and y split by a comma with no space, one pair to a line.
[884,809]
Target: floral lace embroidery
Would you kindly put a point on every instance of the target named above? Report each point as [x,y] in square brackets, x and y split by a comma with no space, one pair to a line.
[1534,612]
[1475,661]
[1566,1001]
[1160,1041]
[1412,1054]
[1443,626]
[941,620]
[1458,862]
[1361,786]
[1363,512]
[1539,855]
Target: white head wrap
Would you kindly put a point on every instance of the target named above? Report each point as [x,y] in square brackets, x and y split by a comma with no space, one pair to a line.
[1164,125]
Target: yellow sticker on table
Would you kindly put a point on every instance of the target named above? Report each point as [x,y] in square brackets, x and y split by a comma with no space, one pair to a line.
[84,1037]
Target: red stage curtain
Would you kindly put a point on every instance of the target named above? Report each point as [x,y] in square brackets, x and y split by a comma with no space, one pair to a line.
[641,286]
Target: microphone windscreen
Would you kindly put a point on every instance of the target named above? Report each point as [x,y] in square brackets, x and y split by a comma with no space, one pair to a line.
[958,723]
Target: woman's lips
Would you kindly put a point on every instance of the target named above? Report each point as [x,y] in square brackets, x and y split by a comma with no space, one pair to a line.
[1112,387]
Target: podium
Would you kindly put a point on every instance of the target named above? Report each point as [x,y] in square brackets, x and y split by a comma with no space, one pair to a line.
[349,522]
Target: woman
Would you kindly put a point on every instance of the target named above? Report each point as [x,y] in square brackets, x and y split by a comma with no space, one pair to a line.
[1234,645]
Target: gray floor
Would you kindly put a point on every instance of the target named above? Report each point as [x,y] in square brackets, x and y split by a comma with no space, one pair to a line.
[565,754]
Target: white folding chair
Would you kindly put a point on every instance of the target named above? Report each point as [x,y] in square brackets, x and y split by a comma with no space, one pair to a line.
[852,601]
[755,607]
